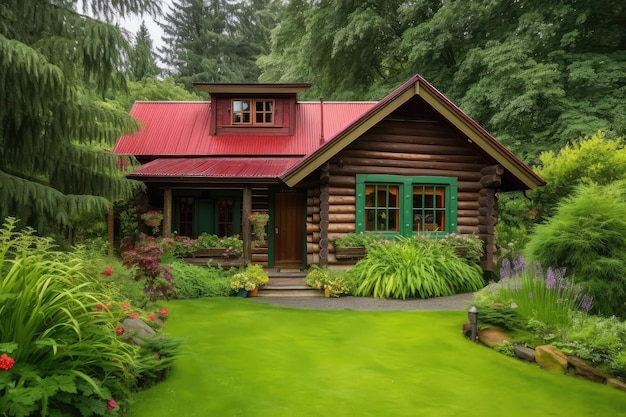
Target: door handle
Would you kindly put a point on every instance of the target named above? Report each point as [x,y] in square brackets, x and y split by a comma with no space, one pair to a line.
[276,230]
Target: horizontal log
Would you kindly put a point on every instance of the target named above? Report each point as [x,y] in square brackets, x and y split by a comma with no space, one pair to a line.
[493,169]
[467,205]
[342,191]
[342,217]
[316,236]
[315,218]
[410,155]
[467,221]
[486,202]
[341,228]
[310,210]
[365,163]
[487,229]
[312,227]
[412,171]
[312,192]
[491,181]
[466,230]
[341,199]
[312,248]
[343,208]
[487,211]
[462,196]
[332,260]
[469,186]
[337,179]
[259,257]
[309,239]
[313,258]
[466,213]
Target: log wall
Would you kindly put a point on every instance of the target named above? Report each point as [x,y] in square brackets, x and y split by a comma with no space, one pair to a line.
[406,148]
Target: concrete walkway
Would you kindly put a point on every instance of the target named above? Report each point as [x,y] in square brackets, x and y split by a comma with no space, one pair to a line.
[455,302]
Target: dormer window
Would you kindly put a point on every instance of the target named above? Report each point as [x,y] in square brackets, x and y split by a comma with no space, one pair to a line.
[252,112]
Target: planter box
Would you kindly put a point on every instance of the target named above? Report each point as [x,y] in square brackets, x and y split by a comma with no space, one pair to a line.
[209,253]
[351,252]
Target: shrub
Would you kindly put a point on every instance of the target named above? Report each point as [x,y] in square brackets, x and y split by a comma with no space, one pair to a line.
[333,279]
[62,353]
[249,278]
[414,268]
[206,241]
[354,239]
[192,281]
[468,247]
[587,236]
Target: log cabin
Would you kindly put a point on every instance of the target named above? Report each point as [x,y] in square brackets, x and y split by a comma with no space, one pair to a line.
[411,163]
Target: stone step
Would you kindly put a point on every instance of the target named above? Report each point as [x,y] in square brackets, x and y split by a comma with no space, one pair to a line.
[288,286]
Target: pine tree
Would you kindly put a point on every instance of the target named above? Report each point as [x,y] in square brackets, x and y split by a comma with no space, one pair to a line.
[55,66]
[142,59]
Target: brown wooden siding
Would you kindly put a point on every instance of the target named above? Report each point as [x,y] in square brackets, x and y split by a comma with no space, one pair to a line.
[407,148]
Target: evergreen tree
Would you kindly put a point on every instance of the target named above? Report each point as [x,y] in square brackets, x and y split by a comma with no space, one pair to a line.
[54,65]
[142,60]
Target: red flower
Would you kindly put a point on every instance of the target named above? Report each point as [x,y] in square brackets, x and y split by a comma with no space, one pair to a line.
[108,271]
[125,306]
[134,315]
[6,362]
[151,316]
[99,307]
[163,312]
[111,404]
[119,329]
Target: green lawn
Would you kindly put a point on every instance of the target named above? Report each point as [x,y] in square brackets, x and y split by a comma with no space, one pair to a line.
[251,359]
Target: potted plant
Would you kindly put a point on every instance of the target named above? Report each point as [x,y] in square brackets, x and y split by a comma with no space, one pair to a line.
[353,245]
[248,281]
[152,217]
[212,246]
[258,220]
[331,281]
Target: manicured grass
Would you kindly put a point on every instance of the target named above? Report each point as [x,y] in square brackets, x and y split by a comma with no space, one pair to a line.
[251,359]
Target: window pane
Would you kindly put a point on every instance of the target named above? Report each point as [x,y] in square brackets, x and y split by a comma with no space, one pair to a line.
[259,117]
[259,106]
[268,117]
[245,105]
[236,105]
[246,117]
[269,105]
[382,205]
[429,209]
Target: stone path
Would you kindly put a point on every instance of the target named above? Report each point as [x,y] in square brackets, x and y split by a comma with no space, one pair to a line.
[455,302]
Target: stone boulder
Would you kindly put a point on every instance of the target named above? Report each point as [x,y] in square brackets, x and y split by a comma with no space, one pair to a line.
[586,371]
[551,358]
[616,383]
[524,353]
[492,336]
[136,331]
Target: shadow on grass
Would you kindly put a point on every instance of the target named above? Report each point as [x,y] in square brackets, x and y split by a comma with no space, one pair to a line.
[257,360]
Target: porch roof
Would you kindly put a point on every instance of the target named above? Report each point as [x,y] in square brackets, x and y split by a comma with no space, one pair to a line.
[213,168]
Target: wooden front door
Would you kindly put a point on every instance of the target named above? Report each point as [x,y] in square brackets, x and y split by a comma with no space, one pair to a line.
[289,229]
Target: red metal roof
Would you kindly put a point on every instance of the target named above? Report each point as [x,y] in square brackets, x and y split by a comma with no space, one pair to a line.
[211,168]
[181,128]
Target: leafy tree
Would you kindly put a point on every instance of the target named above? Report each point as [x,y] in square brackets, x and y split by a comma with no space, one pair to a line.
[55,66]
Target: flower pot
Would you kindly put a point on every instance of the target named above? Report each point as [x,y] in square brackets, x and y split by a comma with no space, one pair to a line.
[254,292]
[242,293]
[152,222]
[258,222]
[351,252]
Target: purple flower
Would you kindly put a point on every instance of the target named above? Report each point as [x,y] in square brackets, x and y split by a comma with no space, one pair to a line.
[550,278]
[519,265]
[586,302]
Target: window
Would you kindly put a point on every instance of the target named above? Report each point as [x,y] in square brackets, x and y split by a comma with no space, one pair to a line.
[405,205]
[252,112]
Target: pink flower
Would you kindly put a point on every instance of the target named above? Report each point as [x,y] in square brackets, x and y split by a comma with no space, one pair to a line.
[6,362]
[151,316]
[119,329]
[108,271]
[134,315]
[111,404]
[163,312]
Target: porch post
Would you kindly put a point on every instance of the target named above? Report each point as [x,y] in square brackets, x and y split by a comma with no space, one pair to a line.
[246,234]
[167,212]
[324,214]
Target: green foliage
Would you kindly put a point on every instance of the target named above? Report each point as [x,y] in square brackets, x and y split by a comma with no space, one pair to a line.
[504,316]
[354,239]
[587,236]
[595,159]
[206,241]
[336,280]
[414,268]
[468,247]
[506,348]
[249,278]
[192,281]
[55,65]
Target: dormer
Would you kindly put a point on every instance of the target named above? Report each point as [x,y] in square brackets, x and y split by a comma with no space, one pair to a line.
[252,109]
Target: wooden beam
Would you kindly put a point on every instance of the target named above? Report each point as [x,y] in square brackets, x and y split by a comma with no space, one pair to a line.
[167,212]
[246,234]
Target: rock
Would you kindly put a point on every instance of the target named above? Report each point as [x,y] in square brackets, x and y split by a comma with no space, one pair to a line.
[135,331]
[524,353]
[586,371]
[550,358]
[616,383]
[492,336]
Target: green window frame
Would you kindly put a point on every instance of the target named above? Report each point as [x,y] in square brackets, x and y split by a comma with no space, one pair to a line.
[397,205]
